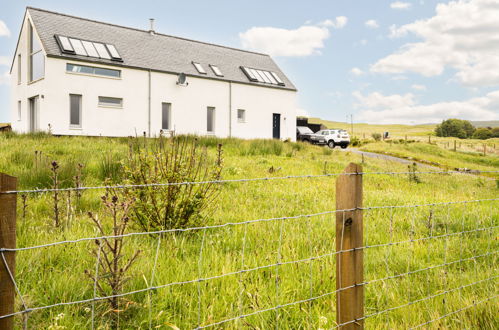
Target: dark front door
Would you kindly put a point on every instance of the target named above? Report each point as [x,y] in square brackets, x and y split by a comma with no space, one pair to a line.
[276,125]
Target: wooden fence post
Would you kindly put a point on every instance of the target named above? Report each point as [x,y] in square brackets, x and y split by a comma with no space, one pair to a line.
[7,240]
[349,235]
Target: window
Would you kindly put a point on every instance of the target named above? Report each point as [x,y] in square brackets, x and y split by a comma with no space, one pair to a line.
[78,47]
[84,69]
[114,102]
[166,116]
[19,110]
[241,116]
[216,70]
[36,57]
[210,120]
[199,67]
[90,49]
[114,53]
[19,66]
[101,49]
[64,44]
[74,110]
[262,76]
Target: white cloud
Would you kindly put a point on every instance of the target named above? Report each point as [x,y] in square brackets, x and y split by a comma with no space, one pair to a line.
[338,23]
[4,30]
[403,109]
[5,60]
[400,5]
[302,113]
[461,36]
[418,87]
[5,78]
[303,41]
[357,72]
[372,24]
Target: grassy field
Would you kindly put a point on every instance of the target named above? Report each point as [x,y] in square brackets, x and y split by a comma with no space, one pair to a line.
[56,274]
[437,155]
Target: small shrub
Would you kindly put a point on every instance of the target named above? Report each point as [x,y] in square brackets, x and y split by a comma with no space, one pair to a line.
[113,267]
[376,136]
[355,142]
[413,176]
[172,161]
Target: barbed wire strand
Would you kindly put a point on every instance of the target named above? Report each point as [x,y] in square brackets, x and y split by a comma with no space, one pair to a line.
[242,223]
[415,302]
[455,312]
[11,276]
[307,176]
[99,298]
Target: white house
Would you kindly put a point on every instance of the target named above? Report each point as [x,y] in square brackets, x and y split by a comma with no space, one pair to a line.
[83,77]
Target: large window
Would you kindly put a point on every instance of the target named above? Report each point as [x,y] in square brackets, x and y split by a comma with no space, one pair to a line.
[113,102]
[74,111]
[19,69]
[210,120]
[36,58]
[74,68]
[166,116]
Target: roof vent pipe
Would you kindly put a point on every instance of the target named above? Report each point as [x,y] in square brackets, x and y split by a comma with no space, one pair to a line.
[151,29]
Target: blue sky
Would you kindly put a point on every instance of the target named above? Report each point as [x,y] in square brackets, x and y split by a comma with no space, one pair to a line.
[382,61]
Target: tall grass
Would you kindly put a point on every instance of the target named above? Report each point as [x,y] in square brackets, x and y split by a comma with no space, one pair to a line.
[51,275]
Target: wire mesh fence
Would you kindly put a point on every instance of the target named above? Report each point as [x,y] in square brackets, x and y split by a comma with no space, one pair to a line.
[422,264]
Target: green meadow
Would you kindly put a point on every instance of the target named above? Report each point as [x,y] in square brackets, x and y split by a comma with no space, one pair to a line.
[443,257]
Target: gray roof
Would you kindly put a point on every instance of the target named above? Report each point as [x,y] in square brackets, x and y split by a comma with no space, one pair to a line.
[158,52]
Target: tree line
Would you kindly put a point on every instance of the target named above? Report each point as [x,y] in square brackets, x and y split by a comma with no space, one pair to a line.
[463,129]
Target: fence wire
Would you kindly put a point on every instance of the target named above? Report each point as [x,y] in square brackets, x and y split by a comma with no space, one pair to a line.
[279,259]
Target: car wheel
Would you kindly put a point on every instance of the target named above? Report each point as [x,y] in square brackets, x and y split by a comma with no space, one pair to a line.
[331,144]
[343,147]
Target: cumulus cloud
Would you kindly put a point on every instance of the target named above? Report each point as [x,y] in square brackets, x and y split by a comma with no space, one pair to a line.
[357,72]
[418,87]
[5,60]
[372,24]
[302,113]
[5,78]
[400,5]
[4,30]
[461,36]
[403,109]
[304,41]
[338,23]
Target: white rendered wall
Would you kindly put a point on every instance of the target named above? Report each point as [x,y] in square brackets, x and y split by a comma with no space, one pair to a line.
[188,103]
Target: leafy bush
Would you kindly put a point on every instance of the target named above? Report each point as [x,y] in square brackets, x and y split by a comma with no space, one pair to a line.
[376,136]
[173,161]
[455,128]
[483,133]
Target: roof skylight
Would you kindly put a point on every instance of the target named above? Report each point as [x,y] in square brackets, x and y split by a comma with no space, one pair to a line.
[87,48]
[199,67]
[216,70]
[262,76]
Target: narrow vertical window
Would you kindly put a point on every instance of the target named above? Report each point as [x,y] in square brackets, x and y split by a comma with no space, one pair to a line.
[211,120]
[36,58]
[19,110]
[241,115]
[166,116]
[19,72]
[75,110]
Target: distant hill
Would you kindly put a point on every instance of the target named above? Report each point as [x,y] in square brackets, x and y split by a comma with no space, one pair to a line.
[491,123]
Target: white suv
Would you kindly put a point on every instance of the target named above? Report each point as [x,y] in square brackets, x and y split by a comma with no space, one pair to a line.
[333,138]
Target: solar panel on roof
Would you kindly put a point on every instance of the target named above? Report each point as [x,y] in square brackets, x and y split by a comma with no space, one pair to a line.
[248,74]
[271,77]
[257,75]
[262,76]
[265,78]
